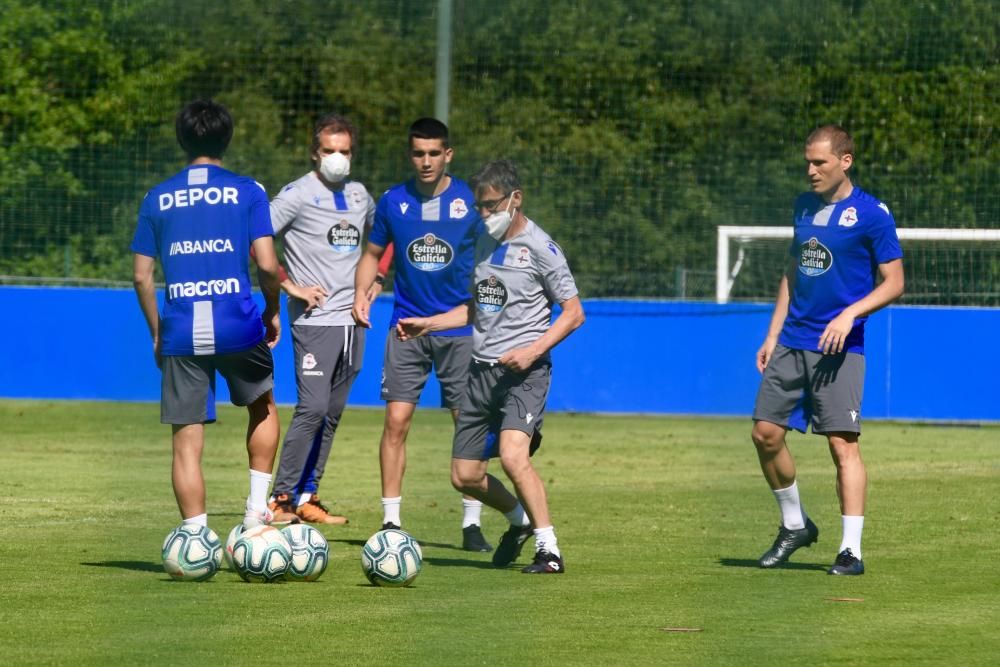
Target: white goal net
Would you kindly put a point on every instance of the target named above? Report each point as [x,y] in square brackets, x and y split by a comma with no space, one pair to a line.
[946,267]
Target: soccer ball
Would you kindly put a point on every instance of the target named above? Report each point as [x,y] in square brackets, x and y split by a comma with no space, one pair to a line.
[310,552]
[234,535]
[391,558]
[262,554]
[192,553]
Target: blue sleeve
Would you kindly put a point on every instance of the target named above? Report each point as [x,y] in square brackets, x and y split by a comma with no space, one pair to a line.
[884,240]
[145,242]
[260,213]
[381,233]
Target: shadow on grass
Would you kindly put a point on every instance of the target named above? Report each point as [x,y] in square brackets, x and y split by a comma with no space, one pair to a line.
[423,545]
[752,562]
[461,562]
[137,565]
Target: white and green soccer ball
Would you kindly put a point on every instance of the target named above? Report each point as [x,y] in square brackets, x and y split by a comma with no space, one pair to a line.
[192,553]
[310,552]
[391,558]
[227,553]
[262,554]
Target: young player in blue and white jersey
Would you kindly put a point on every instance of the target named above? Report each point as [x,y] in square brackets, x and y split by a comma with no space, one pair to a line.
[432,224]
[520,274]
[201,225]
[322,218]
[812,359]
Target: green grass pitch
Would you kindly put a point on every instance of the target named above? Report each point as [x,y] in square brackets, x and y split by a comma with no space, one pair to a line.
[660,521]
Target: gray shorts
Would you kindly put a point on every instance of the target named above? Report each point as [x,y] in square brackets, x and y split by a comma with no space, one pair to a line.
[802,386]
[325,357]
[408,364]
[187,388]
[498,399]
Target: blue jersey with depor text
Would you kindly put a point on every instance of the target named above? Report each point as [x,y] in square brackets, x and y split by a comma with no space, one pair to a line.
[837,249]
[435,240]
[200,224]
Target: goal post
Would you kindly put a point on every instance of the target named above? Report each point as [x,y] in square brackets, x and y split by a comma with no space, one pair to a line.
[970,273]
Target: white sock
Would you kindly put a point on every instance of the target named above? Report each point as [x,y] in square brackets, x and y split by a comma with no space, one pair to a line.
[473,510]
[545,540]
[390,510]
[303,499]
[198,520]
[259,483]
[793,516]
[853,525]
[517,516]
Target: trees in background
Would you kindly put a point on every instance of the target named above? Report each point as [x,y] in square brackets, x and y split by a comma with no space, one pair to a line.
[638,126]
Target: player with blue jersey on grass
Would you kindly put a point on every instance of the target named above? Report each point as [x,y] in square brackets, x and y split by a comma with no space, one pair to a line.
[200,224]
[812,359]
[432,224]
[519,274]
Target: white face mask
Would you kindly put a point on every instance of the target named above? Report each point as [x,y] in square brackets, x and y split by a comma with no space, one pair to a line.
[335,167]
[498,222]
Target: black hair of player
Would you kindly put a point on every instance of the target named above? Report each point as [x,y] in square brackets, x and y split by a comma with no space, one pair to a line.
[428,128]
[501,175]
[204,129]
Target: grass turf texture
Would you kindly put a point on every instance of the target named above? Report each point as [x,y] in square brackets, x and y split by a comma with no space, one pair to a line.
[660,521]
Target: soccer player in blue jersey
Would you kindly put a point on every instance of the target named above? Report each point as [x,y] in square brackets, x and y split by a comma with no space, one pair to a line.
[433,226]
[812,359]
[201,224]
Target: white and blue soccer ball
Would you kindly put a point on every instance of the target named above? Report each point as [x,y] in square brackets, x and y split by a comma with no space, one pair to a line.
[227,553]
[310,552]
[262,554]
[391,558]
[192,553]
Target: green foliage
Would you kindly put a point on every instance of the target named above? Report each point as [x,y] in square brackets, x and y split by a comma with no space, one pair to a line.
[639,127]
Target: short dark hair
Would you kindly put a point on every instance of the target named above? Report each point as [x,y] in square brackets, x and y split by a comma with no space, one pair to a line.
[499,174]
[204,129]
[840,140]
[332,123]
[428,128]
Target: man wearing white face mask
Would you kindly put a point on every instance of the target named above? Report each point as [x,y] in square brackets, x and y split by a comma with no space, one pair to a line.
[519,274]
[322,218]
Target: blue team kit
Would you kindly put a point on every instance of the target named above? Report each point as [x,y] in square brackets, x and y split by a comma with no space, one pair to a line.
[837,249]
[434,240]
[196,223]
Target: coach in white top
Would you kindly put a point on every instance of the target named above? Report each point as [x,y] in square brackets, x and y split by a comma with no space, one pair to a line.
[519,274]
[322,218]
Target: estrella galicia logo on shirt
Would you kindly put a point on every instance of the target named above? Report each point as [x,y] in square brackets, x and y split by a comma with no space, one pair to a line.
[814,258]
[344,237]
[429,253]
[491,295]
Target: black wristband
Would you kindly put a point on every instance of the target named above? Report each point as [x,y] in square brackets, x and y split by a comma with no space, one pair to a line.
[380,279]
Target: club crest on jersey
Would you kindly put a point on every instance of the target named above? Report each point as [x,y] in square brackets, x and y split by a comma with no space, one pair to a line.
[429,253]
[849,217]
[523,258]
[814,258]
[344,237]
[458,208]
[491,295]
